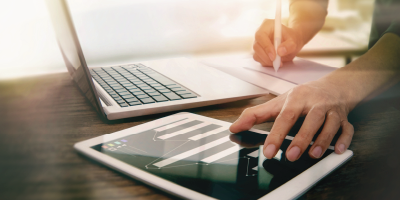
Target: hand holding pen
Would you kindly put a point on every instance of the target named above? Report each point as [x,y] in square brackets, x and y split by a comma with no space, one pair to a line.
[276,43]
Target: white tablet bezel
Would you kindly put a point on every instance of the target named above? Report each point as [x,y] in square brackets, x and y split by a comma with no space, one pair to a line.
[291,189]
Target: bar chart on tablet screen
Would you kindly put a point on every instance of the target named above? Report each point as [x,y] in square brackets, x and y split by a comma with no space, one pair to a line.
[186,143]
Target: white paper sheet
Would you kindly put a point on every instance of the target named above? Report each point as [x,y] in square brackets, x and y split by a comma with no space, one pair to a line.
[244,67]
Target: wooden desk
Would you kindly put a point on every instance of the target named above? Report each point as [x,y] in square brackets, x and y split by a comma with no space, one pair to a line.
[42,117]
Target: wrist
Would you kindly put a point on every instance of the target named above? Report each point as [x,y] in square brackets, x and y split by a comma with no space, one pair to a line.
[299,34]
[344,89]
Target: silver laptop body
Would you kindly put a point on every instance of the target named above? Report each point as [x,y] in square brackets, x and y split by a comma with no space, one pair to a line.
[136,89]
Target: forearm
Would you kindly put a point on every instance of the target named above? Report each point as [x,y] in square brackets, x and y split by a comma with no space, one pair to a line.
[307,17]
[377,69]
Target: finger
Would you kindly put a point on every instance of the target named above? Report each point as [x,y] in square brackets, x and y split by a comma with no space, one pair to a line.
[255,115]
[287,47]
[258,59]
[331,127]
[286,119]
[345,138]
[265,43]
[258,50]
[314,120]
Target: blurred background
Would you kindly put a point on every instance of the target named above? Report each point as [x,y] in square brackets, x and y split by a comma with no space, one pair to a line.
[121,31]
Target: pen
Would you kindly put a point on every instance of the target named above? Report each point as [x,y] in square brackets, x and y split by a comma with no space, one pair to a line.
[277,35]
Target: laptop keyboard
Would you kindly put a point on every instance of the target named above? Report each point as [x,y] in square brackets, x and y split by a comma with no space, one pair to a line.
[132,85]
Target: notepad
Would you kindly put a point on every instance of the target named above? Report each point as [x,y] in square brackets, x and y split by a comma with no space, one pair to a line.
[298,71]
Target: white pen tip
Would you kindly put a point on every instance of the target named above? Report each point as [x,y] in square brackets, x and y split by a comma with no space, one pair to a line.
[276,63]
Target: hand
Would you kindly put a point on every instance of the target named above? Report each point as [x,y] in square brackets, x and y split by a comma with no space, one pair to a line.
[323,105]
[264,50]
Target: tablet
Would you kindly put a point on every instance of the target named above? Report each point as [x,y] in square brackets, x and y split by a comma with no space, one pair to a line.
[196,157]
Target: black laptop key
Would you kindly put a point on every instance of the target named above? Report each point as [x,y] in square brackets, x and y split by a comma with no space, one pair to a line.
[120,101]
[135,103]
[131,87]
[119,79]
[183,92]
[154,84]
[142,96]
[178,89]
[144,87]
[131,78]
[121,90]
[127,85]
[188,96]
[154,93]
[124,93]
[172,96]
[131,100]
[164,91]
[116,87]
[160,98]
[172,85]
[118,98]
[160,87]
[147,100]
[114,95]
[123,104]
[138,82]
[138,93]
[128,96]
[147,90]
[134,90]
[124,72]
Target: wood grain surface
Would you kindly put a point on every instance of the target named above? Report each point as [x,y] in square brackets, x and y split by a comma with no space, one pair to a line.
[43,117]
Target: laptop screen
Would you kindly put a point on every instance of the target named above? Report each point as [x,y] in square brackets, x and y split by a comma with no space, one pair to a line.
[71,50]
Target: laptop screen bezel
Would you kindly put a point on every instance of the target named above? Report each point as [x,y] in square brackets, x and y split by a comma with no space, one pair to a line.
[69,25]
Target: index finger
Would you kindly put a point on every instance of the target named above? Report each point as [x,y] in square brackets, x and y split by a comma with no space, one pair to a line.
[256,115]
[264,40]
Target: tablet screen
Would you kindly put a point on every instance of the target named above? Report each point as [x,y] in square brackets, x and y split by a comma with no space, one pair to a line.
[208,159]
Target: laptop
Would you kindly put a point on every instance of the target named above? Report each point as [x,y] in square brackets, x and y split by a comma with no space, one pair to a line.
[137,89]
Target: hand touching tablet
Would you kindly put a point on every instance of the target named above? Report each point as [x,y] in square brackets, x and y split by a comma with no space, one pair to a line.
[320,102]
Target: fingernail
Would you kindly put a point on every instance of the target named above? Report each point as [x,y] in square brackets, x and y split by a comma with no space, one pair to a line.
[282,51]
[271,56]
[316,152]
[270,151]
[293,153]
[342,148]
